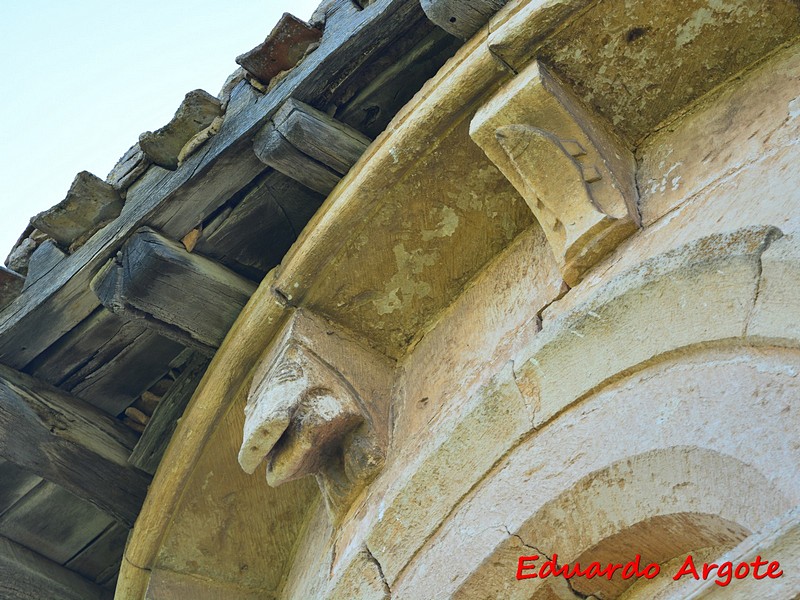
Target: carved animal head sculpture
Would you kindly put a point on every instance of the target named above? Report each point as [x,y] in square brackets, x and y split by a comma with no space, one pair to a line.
[303,418]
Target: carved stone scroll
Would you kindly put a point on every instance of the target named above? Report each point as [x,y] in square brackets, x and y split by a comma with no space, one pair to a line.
[318,406]
[576,177]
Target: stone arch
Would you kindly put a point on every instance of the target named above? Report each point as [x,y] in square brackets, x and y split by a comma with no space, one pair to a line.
[723,288]
[659,504]
[715,408]
[716,376]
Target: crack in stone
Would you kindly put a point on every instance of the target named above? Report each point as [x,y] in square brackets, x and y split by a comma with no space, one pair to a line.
[563,291]
[772,235]
[378,565]
[529,403]
[572,590]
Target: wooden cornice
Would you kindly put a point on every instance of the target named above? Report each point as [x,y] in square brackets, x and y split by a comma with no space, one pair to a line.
[69,442]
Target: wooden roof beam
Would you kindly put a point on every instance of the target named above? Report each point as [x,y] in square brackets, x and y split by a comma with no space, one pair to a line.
[27,575]
[67,441]
[185,297]
[461,18]
[309,146]
[176,201]
[151,446]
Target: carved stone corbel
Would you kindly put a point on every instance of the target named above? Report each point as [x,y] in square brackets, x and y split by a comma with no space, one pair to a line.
[574,174]
[318,405]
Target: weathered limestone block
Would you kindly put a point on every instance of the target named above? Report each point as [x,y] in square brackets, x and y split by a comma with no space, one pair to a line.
[362,579]
[576,177]
[285,46]
[487,323]
[495,422]
[752,122]
[11,285]
[181,586]
[128,168]
[776,314]
[305,416]
[90,204]
[714,417]
[197,111]
[461,18]
[42,261]
[698,293]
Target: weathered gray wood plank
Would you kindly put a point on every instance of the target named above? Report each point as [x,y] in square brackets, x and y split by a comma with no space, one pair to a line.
[275,150]
[388,81]
[182,294]
[148,452]
[14,484]
[96,338]
[43,260]
[54,522]
[324,139]
[66,441]
[280,206]
[11,286]
[461,18]
[106,360]
[100,560]
[115,383]
[176,201]
[26,575]
[309,146]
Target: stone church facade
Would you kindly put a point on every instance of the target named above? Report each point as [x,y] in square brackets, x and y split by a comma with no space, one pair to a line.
[553,309]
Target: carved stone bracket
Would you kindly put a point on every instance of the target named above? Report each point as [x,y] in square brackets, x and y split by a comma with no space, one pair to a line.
[318,406]
[575,175]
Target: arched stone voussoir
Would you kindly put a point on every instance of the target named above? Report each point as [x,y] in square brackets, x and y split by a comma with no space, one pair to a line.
[659,504]
[776,314]
[710,425]
[702,292]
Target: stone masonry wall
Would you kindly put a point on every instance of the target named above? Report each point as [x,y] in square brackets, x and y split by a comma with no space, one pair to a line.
[652,406]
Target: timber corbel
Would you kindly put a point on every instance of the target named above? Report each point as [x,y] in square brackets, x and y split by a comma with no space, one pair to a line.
[461,18]
[185,297]
[309,146]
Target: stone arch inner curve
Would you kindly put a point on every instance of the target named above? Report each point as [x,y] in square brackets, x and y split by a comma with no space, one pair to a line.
[659,504]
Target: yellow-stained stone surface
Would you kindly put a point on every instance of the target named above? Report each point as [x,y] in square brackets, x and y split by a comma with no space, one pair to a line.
[462,201]
[314,558]
[226,515]
[747,127]
[753,182]
[637,65]
[474,337]
[168,584]
[417,503]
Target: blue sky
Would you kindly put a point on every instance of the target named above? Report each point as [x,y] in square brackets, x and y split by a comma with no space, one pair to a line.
[82,79]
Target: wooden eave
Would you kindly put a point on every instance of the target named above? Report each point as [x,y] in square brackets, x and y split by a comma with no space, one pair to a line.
[43,331]
[331,268]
